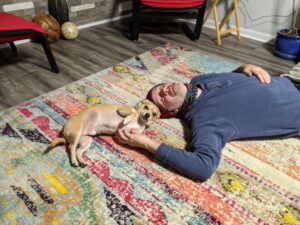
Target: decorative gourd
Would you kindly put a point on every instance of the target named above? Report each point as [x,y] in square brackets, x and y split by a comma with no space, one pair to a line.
[49,24]
[69,30]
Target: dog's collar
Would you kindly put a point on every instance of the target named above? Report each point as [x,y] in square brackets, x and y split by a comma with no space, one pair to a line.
[189,99]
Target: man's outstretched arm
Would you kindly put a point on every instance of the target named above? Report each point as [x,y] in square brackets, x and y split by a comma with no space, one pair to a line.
[193,165]
[208,138]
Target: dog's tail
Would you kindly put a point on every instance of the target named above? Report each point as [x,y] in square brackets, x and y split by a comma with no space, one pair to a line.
[55,142]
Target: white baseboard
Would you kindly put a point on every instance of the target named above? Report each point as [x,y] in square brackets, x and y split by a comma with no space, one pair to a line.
[252,34]
[102,21]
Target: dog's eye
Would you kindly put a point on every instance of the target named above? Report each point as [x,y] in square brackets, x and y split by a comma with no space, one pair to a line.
[154,114]
[146,107]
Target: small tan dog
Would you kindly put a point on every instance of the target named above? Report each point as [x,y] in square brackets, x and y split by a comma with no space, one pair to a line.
[103,119]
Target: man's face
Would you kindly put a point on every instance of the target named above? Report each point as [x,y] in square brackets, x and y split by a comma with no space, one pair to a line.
[169,97]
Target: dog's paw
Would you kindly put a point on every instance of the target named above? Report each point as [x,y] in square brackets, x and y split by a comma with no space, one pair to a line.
[83,164]
[75,163]
[126,120]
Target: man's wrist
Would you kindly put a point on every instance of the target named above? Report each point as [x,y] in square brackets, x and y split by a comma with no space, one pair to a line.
[151,146]
[239,69]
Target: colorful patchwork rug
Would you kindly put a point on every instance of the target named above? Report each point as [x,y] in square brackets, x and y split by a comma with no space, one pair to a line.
[257,182]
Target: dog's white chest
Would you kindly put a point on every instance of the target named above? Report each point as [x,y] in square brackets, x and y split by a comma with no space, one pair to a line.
[138,127]
[107,124]
[111,124]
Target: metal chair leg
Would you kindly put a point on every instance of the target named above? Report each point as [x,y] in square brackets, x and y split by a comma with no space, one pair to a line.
[134,26]
[49,54]
[195,35]
[12,46]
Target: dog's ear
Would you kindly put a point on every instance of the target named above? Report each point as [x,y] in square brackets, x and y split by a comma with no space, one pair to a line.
[139,104]
[158,114]
[124,110]
[144,101]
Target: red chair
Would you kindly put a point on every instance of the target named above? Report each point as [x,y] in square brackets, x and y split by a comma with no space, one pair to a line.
[13,28]
[192,8]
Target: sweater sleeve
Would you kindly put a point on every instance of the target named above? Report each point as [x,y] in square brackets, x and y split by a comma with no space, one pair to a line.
[208,138]
[238,70]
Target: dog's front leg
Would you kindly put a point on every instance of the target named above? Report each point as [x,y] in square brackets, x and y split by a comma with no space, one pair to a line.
[128,119]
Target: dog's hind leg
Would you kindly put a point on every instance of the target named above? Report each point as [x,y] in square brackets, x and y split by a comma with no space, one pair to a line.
[73,140]
[84,144]
[74,161]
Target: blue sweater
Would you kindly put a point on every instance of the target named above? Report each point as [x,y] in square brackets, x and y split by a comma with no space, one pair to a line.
[232,106]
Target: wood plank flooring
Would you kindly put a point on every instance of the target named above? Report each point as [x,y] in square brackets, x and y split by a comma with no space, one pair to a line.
[26,75]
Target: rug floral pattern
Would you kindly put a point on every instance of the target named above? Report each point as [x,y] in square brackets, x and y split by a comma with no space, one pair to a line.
[257,182]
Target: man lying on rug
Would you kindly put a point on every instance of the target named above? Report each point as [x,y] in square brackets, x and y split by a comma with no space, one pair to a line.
[220,108]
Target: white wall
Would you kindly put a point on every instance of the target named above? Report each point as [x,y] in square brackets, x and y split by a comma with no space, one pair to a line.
[259,19]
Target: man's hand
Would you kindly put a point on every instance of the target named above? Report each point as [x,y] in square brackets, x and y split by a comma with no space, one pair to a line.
[132,138]
[260,73]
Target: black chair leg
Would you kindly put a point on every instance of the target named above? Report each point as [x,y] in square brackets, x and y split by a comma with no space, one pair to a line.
[134,26]
[49,54]
[199,22]
[12,46]
[195,35]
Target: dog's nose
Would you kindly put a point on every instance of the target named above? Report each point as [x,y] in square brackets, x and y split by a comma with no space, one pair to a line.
[147,115]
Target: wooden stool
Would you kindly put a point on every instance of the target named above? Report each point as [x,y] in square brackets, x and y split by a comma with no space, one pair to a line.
[219,31]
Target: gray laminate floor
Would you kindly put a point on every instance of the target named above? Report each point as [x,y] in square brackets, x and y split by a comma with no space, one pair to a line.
[26,74]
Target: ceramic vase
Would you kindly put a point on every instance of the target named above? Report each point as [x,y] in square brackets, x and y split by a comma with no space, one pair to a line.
[59,10]
[287,46]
